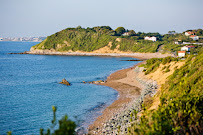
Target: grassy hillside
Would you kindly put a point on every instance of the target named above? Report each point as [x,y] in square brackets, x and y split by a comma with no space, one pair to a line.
[91,39]
[180,110]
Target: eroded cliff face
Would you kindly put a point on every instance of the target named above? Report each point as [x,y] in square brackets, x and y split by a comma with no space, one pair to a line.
[160,76]
[107,49]
[40,51]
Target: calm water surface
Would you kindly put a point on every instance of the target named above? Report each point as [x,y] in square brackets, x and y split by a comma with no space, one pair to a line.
[29,87]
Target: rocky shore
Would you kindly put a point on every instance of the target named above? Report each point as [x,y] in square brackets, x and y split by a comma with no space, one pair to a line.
[121,121]
[132,87]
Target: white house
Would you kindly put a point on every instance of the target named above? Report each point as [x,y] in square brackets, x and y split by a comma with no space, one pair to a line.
[187,48]
[194,37]
[150,38]
[189,33]
[178,43]
[185,43]
[181,53]
[126,34]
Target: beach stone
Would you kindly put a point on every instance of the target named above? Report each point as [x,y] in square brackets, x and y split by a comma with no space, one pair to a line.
[64,81]
[123,119]
[96,82]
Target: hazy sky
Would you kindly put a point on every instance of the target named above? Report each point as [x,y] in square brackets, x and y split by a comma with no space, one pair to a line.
[45,17]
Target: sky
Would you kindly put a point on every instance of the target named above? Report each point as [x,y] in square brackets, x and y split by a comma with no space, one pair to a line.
[24,18]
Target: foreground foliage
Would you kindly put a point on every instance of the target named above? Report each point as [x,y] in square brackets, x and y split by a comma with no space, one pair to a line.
[66,126]
[181,107]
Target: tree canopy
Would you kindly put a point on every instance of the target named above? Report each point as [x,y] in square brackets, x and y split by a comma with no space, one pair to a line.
[120,30]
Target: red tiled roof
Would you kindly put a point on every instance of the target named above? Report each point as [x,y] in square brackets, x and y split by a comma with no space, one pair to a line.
[190,32]
[193,36]
[181,51]
[189,46]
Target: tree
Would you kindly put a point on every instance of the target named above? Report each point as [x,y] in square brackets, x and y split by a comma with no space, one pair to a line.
[132,33]
[79,27]
[66,126]
[120,30]
[9,133]
[171,32]
[199,32]
[106,27]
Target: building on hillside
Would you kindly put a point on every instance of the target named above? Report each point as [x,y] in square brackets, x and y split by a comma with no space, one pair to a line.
[186,43]
[187,48]
[189,33]
[126,34]
[178,43]
[150,38]
[181,53]
[197,43]
[194,37]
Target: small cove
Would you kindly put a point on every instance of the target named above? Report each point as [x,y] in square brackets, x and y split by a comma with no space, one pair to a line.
[29,87]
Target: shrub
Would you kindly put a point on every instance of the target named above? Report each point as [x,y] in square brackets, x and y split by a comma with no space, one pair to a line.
[180,110]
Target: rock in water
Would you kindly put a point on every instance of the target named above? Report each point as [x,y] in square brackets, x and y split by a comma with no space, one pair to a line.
[64,81]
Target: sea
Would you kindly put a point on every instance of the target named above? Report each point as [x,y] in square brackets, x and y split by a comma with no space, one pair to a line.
[29,87]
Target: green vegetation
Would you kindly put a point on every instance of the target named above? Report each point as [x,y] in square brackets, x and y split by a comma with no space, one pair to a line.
[181,99]
[78,39]
[91,39]
[66,126]
[171,47]
[131,44]
[152,64]
[120,31]
[141,35]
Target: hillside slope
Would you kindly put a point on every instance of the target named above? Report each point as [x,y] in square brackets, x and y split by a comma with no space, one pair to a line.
[177,107]
[91,39]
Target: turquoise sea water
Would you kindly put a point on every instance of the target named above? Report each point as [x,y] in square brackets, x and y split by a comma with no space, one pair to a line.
[29,87]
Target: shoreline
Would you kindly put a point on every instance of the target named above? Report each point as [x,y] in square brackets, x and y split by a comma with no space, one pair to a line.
[129,89]
[141,56]
[134,87]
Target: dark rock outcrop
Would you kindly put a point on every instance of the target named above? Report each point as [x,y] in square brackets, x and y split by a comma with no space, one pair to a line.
[64,81]
[97,82]
[20,53]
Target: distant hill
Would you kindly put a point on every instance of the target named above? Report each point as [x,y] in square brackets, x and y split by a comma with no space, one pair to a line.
[91,39]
